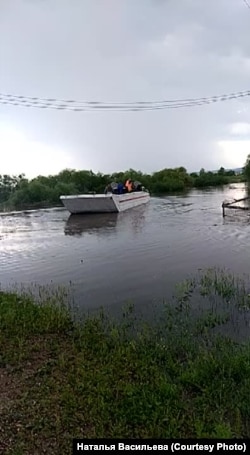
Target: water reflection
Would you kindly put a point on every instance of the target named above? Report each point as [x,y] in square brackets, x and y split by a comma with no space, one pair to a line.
[107,222]
[80,224]
[136,255]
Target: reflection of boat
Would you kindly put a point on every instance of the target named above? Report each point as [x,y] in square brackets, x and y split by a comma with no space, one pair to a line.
[77,224]
[101,203]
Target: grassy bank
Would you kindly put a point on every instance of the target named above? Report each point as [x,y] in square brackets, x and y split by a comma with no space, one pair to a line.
[97,377]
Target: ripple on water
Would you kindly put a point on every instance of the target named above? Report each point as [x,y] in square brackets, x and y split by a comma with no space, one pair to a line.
[144,250]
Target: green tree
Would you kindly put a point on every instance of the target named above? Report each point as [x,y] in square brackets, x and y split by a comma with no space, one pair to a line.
[246,169]
[221,171]
[18,192]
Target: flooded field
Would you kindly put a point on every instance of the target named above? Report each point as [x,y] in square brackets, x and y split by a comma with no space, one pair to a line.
[136,256]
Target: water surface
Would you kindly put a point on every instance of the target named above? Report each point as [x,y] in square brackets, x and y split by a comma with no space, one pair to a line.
[137,255]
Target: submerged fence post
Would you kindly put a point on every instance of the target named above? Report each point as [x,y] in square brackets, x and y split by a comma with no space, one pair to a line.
[223,209]
[231,205]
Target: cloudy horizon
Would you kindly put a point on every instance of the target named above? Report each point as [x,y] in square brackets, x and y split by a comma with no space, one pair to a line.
[124,51]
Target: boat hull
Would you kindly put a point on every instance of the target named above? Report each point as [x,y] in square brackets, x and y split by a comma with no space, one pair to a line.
[104,203]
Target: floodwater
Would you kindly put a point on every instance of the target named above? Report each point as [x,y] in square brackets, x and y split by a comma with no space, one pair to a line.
[136,256]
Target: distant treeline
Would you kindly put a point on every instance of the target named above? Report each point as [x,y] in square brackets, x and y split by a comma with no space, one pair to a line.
[17,192]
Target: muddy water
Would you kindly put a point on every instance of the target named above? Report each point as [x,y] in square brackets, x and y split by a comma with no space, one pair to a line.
[139,255]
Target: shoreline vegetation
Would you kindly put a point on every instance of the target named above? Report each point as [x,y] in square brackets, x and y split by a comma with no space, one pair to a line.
[65,376]
[19,193]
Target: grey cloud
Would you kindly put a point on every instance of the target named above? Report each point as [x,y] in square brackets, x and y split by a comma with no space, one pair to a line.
[127,51]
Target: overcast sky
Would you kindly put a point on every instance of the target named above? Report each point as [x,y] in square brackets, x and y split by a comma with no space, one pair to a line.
[124,50]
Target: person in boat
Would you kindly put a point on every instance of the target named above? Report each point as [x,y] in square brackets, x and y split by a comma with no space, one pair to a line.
[137,186]
[129,185]
[107,189]
[120,188]
[114,187]
[111,188]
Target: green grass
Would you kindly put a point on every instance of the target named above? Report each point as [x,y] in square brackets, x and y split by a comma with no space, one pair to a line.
[98,377]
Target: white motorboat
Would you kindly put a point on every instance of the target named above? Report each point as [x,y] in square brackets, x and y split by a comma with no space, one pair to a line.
[104,203]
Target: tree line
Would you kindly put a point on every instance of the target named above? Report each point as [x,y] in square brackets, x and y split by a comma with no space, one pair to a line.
[18,192]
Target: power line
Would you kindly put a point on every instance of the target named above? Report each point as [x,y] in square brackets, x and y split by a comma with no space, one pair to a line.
[87,106]
[37,100]
[54,100]
[246,3]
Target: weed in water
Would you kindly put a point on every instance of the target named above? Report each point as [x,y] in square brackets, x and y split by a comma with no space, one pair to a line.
[98,377]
